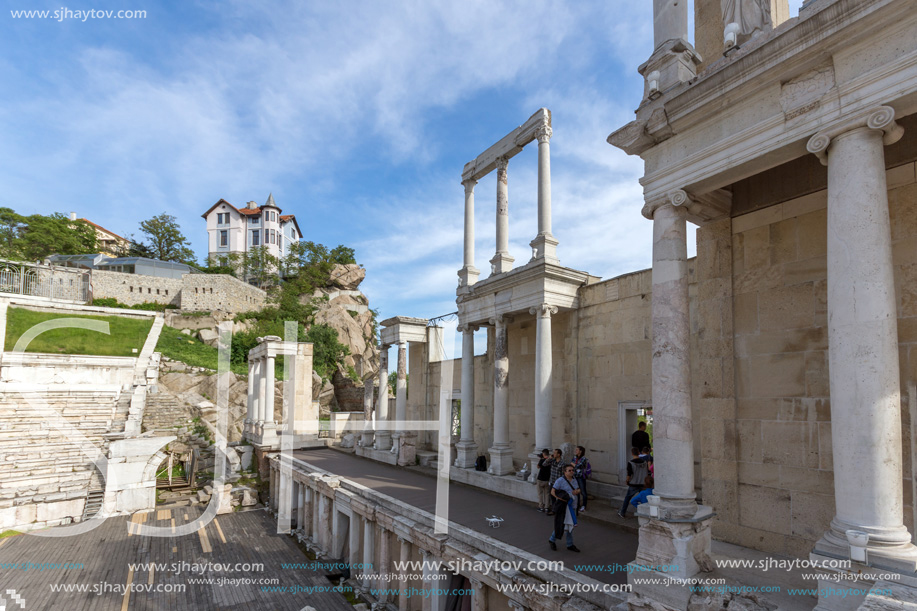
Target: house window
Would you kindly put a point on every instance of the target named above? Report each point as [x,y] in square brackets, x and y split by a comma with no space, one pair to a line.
[256,238]
[224,238]
[222,218]
[255,220]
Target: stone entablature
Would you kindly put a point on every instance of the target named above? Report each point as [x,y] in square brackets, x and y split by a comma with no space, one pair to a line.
[192,293]
[331,515]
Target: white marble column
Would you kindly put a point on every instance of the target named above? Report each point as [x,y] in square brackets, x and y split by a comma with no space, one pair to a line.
[367,438]
[479,598]
[369,529]
[250,411]
[316,507]
[259,391]
[544,385]
[466,448]
[501,454]
[383,434]
[401,388]
[404,556]
[673,438]
[545,244]
[670,21]
[469,273]
[863,342]
[502,261]
[269,372]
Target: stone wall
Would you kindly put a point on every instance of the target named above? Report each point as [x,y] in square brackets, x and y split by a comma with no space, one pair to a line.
[194,292]
[132,289]
[208,292]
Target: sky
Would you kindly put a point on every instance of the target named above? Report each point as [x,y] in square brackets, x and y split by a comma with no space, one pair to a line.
[357,115]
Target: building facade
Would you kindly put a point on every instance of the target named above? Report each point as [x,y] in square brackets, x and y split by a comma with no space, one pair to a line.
[235,231]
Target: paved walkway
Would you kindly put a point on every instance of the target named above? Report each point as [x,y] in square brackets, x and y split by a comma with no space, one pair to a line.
[103,556]
[524,527]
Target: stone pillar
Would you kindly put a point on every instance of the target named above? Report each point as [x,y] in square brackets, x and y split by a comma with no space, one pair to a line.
[670,21]
[479,598]
[469,273]
[502,262]
[401,388]
[250,411]
[545,244]
[354,535]
[384,562]
[544,386]
[466,448]
[259,391]
[383,434]
[863,343]
[428,581]
[673,438]
[404,556]
[501,454]
[316,507]
[269,373]
[367,439]
[308,497]
[368,543]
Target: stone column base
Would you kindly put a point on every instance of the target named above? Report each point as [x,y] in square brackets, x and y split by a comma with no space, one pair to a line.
[467,454]
[887,548]
[534,457]
[367,439]
[383,440]
[501,461]
[502,263]
[683,545]
[545,247]
[407,449]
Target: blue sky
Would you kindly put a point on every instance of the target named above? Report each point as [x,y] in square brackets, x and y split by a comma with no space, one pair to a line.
[358,116]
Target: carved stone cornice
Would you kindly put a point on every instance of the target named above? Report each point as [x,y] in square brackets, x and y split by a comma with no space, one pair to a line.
[545,310]
[881,118]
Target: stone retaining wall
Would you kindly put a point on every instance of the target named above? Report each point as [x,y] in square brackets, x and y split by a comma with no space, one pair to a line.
[133,289]
[193,292]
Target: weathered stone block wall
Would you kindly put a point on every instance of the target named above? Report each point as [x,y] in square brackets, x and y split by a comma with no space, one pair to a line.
[614,365]
[208,292]
[132,289]
[784,495]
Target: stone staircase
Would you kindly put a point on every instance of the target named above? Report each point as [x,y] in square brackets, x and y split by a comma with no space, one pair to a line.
[96,495]
[165,415]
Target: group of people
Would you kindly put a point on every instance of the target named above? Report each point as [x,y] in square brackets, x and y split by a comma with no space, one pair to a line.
[562,485]
[562,491]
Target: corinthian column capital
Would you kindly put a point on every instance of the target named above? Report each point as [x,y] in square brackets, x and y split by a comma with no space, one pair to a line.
[880,118]
[469,185]
[543,134]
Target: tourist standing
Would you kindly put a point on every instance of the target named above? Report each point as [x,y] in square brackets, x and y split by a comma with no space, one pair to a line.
[640,439]
[565,487]
[557,469]
[581,470]
[543,480]
[637,471]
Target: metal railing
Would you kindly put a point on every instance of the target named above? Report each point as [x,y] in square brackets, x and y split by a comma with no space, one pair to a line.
[48,281]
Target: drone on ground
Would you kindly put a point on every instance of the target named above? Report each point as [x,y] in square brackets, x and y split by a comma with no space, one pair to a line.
[494,521]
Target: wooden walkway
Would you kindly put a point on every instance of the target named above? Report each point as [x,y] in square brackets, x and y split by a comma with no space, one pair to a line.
[602,544]
[106,553]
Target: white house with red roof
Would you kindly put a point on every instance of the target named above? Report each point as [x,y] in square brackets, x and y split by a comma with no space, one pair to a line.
[238,230]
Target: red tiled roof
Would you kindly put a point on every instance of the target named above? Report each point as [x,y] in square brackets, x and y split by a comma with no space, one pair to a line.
[100,228]
[250,211]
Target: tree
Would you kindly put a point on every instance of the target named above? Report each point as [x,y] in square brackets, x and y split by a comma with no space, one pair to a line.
[260,265]
[11,224]
[166,241]
[43,236]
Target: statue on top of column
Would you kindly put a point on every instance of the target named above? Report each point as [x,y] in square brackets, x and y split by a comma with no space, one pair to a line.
[752,16]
